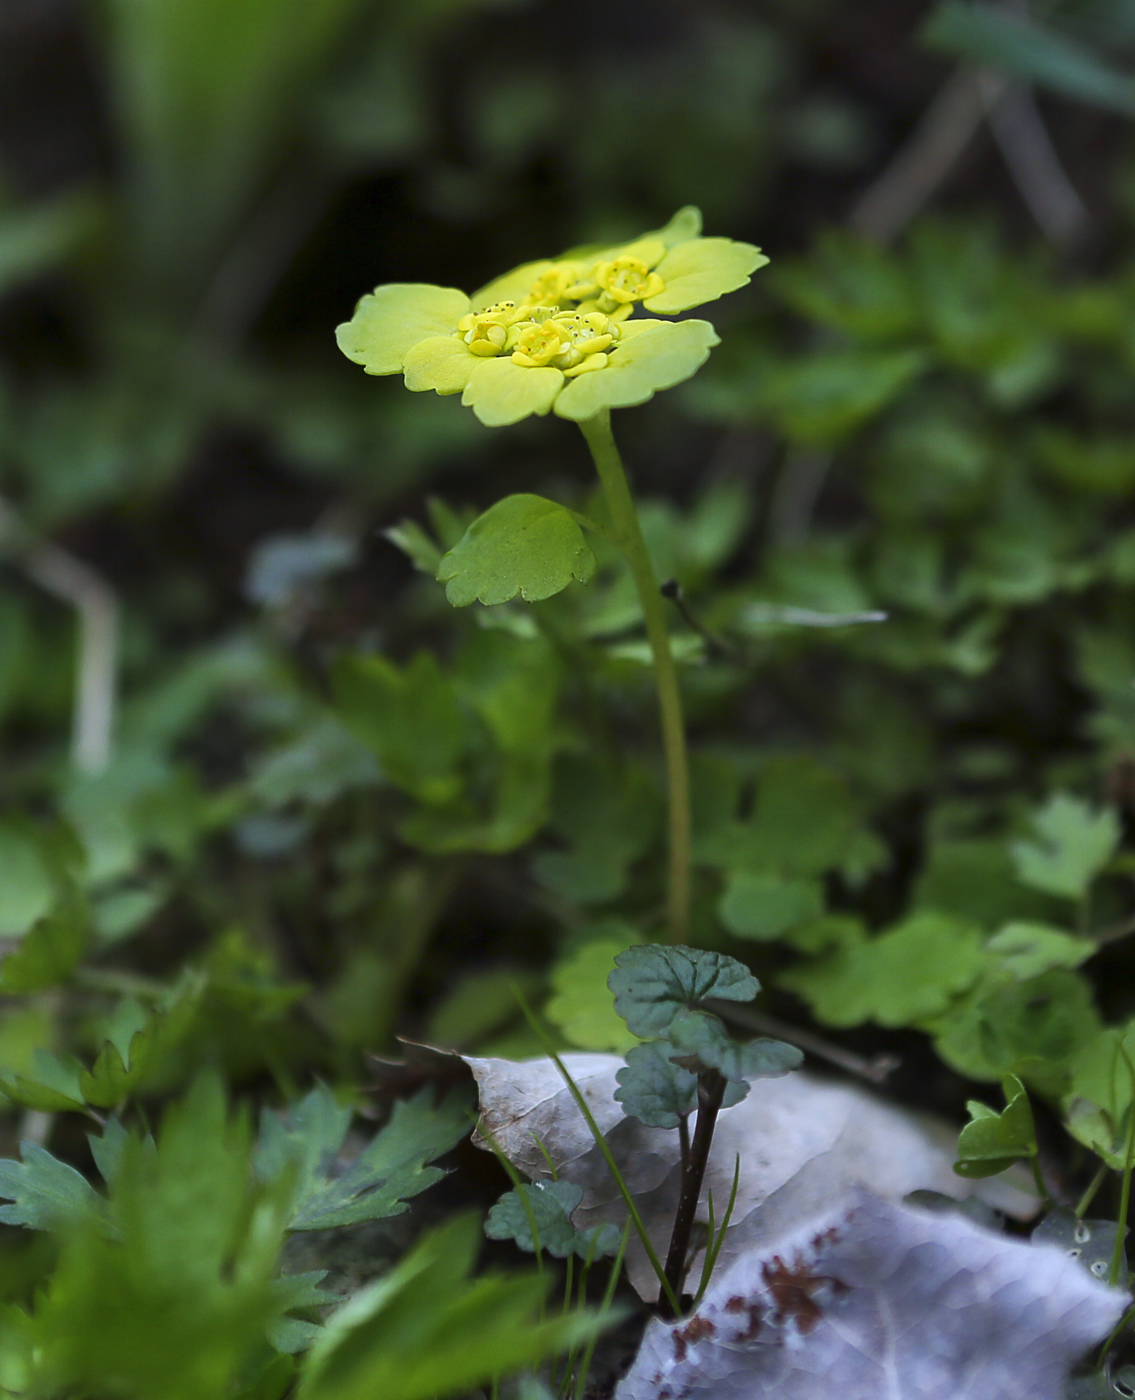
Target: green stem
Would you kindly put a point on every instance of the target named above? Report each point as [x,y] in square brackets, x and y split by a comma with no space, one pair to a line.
[1090,1194]
[628,533]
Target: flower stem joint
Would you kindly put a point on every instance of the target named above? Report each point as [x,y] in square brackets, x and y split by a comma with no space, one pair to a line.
[560,335]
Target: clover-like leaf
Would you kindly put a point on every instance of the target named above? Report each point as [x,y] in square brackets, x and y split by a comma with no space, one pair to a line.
[650,355]
[524,544]
[653,983]
[1073,843]
[548,1205]
[655,1090]
[760,904]
[993,1141]
[701,1036]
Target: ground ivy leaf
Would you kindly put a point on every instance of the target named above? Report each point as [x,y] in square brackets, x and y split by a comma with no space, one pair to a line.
[655,1090]
[524,545]
[46,1194]
[652,984]
[390,1170]
[993,1141]
[1073,842]
[550,1204]
[702,1035]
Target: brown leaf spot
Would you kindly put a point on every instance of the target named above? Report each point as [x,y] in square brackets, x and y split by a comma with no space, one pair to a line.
[736,1304]
[792,1288]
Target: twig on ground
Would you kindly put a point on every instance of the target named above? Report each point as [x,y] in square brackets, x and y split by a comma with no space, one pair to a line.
[875,1071]
[67,578]
[1024,143]
[929,156]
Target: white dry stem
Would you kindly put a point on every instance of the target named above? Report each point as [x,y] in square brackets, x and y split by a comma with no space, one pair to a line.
[75,583]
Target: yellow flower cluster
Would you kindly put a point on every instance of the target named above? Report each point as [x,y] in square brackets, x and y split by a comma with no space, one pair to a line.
[534,335]
[531,339]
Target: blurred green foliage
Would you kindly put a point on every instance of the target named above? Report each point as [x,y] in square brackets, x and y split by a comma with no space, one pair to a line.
[898,502]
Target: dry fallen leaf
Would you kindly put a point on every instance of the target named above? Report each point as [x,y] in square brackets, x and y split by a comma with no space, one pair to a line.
[876,1301]
[803,1143]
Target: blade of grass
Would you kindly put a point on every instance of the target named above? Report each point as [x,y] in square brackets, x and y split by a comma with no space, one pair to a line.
[601,1143]
[604,1310]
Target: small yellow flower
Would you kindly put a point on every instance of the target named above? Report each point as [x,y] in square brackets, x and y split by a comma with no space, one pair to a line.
[558,333]
[628,279]
[539,344]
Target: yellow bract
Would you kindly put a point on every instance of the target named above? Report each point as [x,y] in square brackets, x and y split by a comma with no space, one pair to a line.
[535,337]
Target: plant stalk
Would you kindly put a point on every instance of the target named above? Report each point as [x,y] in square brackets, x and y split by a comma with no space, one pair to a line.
[711,1091]
[628,534]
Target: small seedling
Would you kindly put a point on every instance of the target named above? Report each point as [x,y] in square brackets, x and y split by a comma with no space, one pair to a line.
[691,1063]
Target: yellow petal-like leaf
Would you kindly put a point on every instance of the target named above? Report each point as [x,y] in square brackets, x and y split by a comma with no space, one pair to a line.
[500,392]
[650,355]
[702,270]
[441,362]
[391,319]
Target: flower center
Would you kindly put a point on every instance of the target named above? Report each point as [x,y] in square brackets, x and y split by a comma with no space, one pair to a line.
[551,288]
[486,332]
[627,279]
[538,343]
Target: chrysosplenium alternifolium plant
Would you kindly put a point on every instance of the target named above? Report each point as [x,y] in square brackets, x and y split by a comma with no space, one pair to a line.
[560,334]
[566,335]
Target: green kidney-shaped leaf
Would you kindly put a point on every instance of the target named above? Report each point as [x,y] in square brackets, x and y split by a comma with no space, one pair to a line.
[652,984]
[524,545]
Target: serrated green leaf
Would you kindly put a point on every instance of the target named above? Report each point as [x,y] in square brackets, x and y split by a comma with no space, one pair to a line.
[1031,1029]
[1025,950]
[581,1004]
[524,545]
[652,984]
[425,1330]
[1074,841]
[52,1085]
[701,1036]
[411,719]
[46,1194]
[391,1170]
[549,1204]
[51,949]
[655,1090]
[26,888]
[906,975]
[993,1141]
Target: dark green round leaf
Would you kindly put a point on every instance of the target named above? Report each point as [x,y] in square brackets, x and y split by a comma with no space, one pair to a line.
[652,983]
